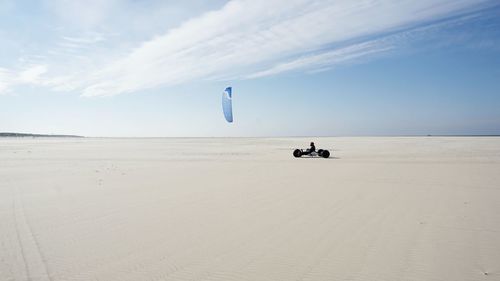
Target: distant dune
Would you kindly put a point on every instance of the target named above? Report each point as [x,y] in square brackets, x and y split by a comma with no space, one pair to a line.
[9,134]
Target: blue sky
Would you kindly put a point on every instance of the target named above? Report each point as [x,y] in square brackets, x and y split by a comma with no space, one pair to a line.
[297,67]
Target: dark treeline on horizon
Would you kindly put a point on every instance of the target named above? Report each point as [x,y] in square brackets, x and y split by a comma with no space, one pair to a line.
[9,134]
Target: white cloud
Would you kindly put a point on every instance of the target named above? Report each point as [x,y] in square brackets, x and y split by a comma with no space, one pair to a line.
[324,60]
[358,52]
[84,14]
[243,39]
[31,75]
[246,35]
[5,79]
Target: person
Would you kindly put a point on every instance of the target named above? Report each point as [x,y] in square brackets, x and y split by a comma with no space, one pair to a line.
[312,149]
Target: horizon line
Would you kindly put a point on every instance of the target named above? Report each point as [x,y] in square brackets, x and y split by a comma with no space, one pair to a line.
[33,135]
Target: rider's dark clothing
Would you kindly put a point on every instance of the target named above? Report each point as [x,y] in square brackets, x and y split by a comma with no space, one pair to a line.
[312,149]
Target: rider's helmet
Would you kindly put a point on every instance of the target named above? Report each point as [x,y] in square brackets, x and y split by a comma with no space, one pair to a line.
[312,143]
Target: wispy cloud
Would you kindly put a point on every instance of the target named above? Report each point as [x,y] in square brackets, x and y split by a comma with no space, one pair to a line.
[92,38]
[327,59]
[5,79]
[30,75]
[85,14]
[245,35]
[365,49]
[251,39]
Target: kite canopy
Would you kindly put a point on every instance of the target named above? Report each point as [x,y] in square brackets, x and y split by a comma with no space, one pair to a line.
[227,106]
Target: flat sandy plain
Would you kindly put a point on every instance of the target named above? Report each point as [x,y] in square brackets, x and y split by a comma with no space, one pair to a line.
[422,208]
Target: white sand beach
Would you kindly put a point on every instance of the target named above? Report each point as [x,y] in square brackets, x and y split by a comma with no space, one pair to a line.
[381,208]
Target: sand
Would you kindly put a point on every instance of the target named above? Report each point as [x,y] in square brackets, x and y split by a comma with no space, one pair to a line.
[422,208]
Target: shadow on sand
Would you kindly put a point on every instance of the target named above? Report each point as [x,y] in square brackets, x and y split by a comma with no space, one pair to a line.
[316,157]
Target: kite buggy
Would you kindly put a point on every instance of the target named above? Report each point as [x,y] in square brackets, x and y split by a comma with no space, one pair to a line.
[311,152]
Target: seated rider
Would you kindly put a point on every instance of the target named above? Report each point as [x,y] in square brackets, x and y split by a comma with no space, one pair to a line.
[312,149]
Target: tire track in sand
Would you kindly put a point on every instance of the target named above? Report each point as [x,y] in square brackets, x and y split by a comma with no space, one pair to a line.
[20,241]
[34,261]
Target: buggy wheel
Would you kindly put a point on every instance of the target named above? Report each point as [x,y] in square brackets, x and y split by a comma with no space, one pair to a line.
[320,151]
[297,153]
[325,154]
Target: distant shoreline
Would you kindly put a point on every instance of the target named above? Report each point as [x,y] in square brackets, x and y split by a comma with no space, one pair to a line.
[23,135]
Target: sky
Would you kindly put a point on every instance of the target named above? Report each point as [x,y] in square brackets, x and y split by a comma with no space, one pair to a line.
[157,68]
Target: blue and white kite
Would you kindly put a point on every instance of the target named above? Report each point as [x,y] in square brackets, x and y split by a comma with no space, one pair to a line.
[227,106]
